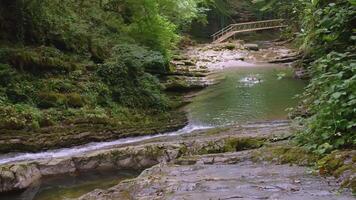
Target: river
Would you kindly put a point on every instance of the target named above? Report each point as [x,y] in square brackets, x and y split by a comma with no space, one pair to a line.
[245,94]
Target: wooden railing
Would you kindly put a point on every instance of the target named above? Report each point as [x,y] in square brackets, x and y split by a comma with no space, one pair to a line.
[232,29]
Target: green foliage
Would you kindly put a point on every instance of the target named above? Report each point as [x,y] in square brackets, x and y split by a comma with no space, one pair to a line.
[326,34]
[140,57]
[40,60]
[131,86]
[64,61]
[20,116]
[331,97]
[7,74]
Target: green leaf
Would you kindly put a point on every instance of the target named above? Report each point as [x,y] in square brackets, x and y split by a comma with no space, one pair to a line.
[337,95]
[353,2]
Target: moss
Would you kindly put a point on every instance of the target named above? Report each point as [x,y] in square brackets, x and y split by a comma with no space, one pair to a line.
[230,46]
[336,163]
[39,60]
[239,144]
[116,155]
[54,99]
[286,154]
[51,99]
[154,152]
[183,150]
[75,100]
[339,171]
[230,145]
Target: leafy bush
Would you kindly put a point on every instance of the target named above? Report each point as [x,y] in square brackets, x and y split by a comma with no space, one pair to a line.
[7,75]
[131,86]
[326,36]
[141,57]
[331,97]
[15,117]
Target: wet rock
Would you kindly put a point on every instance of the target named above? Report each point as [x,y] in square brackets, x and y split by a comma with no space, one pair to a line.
[143,155]
[57,166]
[253,47]
[18,177]
[223,180]
[179,83]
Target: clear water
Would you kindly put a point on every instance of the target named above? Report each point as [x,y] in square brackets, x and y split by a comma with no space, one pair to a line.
[247,94]
[71,186]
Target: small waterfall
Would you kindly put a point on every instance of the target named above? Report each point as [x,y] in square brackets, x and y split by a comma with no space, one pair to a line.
[74,151]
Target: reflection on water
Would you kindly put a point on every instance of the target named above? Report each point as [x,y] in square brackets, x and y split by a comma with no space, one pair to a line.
[71,186]
[247,94]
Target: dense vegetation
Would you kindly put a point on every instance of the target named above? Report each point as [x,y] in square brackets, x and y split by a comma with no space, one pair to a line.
[327,38]
[68,61]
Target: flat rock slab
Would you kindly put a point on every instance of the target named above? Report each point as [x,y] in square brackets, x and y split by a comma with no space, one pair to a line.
[223,179]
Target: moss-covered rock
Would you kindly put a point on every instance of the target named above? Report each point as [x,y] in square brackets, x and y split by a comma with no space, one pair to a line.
[285,154]
[51,99]
[342,165]
[75,100]
[239,144]
[40,60]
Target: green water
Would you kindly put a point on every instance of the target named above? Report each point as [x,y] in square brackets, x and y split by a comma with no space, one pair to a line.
[71,186]
[234,101]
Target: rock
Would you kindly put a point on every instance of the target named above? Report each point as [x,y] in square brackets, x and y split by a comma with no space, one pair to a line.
[222,179]
[141,155]
[57,166]
[18,177]
[252,47]
[179,83]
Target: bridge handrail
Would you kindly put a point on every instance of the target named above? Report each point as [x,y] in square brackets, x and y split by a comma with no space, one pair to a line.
[231,26]
[222,30]
[257,22]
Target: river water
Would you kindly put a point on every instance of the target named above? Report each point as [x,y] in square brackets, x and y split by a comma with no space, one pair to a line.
[71,186]
[246,94]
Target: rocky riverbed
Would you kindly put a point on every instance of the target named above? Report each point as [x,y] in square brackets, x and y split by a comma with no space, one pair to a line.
[222,170]
[140,155]
[223,176]
[217,163]
[195,67]
[246,161]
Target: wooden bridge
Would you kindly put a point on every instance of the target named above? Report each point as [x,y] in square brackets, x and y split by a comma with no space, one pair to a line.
[233,29]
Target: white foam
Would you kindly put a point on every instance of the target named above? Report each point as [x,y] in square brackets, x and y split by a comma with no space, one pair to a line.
[68,152]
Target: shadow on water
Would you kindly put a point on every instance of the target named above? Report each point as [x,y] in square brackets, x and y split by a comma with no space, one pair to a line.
[71,185]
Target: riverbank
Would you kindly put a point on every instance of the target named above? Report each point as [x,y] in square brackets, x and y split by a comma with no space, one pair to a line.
[70,135]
